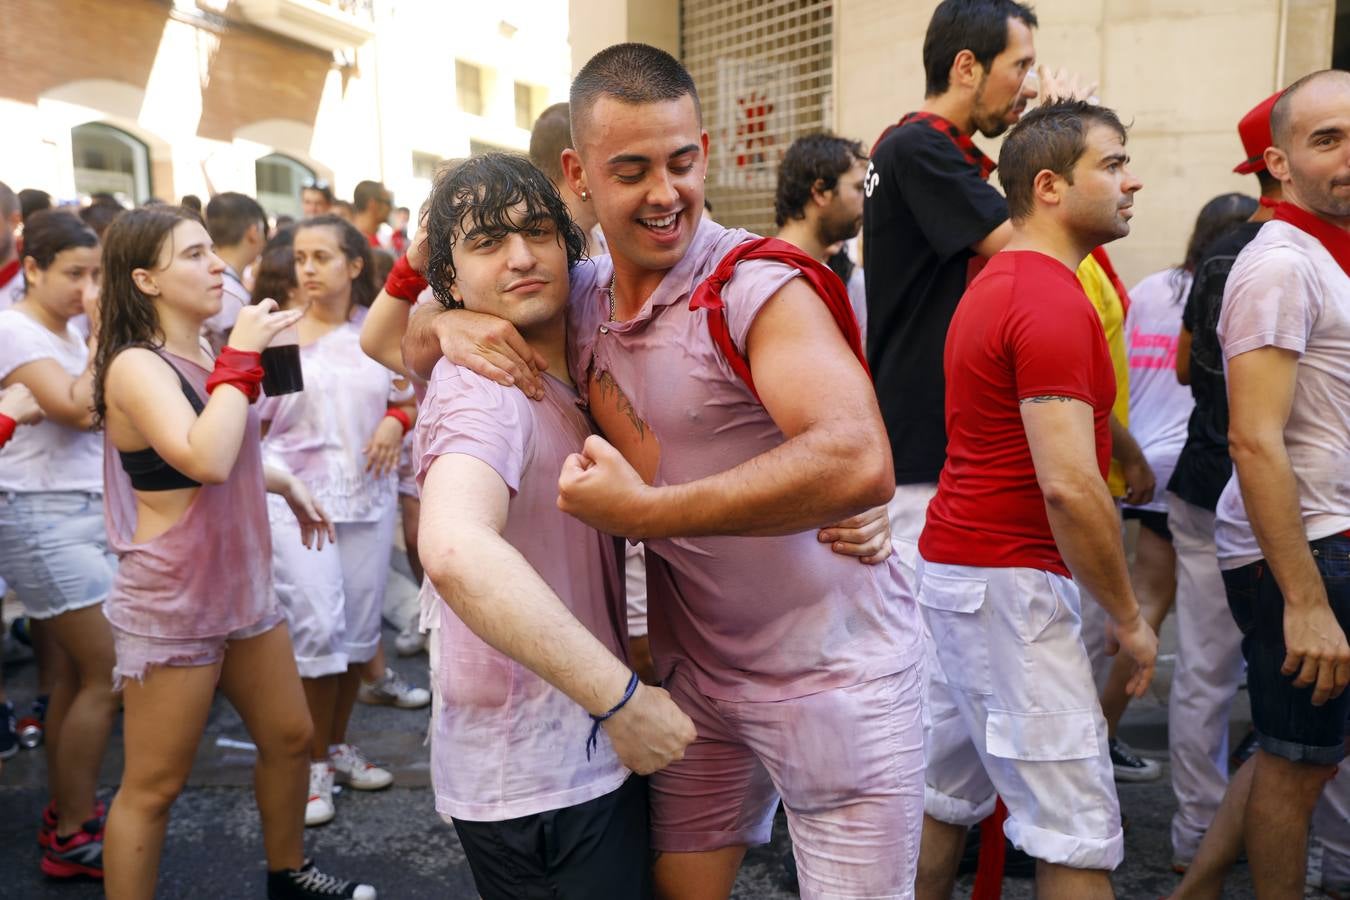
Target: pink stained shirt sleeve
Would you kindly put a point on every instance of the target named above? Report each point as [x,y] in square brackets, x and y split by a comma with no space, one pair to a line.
[465,413]
[750,288]
[1272,300]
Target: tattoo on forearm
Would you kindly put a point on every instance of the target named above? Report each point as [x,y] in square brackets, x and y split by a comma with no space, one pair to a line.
[610,388]
[1046,398]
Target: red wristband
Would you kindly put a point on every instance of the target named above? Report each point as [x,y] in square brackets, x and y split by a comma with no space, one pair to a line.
[404,282]
[7,426]
[394,412]
[241,368]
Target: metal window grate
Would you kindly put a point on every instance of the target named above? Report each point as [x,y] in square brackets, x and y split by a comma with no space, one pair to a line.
[764,70]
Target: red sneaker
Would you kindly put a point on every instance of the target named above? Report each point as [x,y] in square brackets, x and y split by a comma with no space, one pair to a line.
[49,821]
[77,855]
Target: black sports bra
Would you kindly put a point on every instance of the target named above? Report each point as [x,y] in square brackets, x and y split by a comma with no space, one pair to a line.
[147,469]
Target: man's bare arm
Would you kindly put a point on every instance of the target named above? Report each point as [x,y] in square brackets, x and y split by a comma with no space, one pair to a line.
[834,463]
[500,597]
[994,241]
[1140,482]
[489,346]
[1083,519]
[383,330]
[1260,396]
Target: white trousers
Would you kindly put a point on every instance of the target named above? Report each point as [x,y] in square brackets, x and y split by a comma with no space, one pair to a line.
[1208,671]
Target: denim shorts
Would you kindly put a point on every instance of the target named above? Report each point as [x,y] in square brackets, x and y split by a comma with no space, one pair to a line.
[54,550]
[1287,723]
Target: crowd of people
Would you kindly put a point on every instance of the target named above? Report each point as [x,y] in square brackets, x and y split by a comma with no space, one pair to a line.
[707,522]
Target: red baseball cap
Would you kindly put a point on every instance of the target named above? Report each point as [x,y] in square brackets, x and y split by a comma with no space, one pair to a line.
[1254,129]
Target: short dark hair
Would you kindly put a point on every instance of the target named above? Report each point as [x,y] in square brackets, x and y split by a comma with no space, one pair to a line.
[192,202]
[274,273]
[810,159]
[320,186]
[630,73]
[229,215]
[100,214]
[1280,113]
[483,191]
[980,26]
[32,200]
[1052,136]
[551,135]
[366,193]
[47,232]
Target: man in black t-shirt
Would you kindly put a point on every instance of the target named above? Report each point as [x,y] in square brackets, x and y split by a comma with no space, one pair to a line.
[930,219]
[1209,656]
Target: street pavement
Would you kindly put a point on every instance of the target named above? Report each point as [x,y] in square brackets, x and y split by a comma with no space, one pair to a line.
[395,840]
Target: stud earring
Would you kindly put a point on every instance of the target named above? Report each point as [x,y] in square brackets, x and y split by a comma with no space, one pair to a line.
[585,194]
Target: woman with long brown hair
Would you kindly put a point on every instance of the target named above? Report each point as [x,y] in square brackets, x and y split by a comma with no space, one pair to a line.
[192,606]
[53,547]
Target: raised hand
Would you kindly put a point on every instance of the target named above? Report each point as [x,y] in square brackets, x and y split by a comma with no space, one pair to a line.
[258,324]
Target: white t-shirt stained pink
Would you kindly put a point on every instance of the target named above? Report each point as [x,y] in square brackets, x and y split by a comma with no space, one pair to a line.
[749,618]
[1160,406]
[505,743]
[320,434]
[1287,291]
[47,456]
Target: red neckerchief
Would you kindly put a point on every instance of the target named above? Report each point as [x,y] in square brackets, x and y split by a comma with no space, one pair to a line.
[8,271]
[1099,254]
[974,155]
[822,280]
[1336,240]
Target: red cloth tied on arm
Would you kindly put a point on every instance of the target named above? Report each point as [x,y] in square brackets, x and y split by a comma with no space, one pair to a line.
[241,368]
[7,426]
[399,416]
[821,279]
[404,282]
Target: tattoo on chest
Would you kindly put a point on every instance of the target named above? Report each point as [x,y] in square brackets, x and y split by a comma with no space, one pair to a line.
[610,392]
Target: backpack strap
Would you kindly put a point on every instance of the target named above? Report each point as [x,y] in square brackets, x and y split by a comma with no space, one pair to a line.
[826,284]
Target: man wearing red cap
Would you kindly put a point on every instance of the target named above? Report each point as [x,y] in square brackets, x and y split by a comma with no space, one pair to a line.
[1209,658]
[1283,520]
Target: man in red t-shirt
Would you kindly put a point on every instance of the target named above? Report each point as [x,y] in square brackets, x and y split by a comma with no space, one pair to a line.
[1022,512]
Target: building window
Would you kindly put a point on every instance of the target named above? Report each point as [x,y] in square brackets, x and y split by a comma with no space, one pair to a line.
[469,87]
[108,160]
[280,180]
[526,112]
[424,165]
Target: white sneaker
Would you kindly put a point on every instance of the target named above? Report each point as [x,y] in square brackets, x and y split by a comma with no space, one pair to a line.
[410,641]
[319,809]
[354,769]
[392,690]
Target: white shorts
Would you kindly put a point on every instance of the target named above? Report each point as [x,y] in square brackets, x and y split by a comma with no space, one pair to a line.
[1014,713]
[908,510]
[332,598]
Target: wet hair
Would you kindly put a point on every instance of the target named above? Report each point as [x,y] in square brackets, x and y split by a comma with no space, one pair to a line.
[1281,113]
[229,215]
[551,135]
[632,74]
[127,316]
[353,245]
[1052,136]
[48,232]
[1215,219]
[816,159]
[274,273]
[980,26]
[479,196]
[100,214]
[366,193]
[32,200]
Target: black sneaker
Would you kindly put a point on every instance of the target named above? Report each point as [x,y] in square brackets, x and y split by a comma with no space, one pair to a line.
[308,883]
[1130,766]
[9,735]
